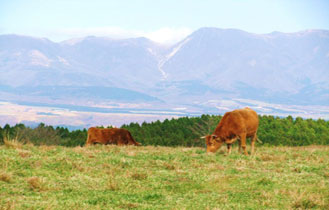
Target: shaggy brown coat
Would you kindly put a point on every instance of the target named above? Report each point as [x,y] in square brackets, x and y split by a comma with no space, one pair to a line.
[117,136]
[235,125]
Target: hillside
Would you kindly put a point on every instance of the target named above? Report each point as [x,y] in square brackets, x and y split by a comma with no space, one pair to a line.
[276,67]
[111,177]
[272,67]
[210,71]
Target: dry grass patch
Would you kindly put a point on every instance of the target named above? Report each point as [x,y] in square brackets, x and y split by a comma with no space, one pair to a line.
[272,157]
[24,153]
[215,167]
[266,157]
[37,164]
[139,176]
[326,174]
[85,152]
[128,206]
[47,148]
[79,166]
[6,177]
[169,166]
[35,184]
[9,205]
[131,153]
[113,185]
[304,199]
[308,202]
[12,143]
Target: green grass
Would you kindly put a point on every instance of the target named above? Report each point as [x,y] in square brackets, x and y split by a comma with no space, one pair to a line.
[111,177]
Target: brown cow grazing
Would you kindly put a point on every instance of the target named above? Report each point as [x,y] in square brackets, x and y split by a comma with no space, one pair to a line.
[235,125]
[117,136]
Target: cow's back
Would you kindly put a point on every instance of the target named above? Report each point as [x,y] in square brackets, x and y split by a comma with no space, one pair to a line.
[237,122]
[99,135]
[117,136]
[250,120]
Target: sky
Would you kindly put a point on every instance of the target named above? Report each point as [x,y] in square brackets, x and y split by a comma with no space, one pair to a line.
[163,21]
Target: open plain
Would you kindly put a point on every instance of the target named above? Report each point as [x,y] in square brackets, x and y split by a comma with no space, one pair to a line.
[148,177]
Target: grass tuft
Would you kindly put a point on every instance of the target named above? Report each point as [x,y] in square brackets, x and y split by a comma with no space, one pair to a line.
[304,204]
[9,205]
[139,176]
[24,153]
[12,143]
[169,166]
[113,186]
[35,183]
[6,177]
[128,206]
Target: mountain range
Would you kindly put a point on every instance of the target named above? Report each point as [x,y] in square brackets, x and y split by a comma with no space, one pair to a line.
[211,64]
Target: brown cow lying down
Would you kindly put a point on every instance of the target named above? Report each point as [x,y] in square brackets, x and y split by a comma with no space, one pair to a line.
[235,125]
[117,136]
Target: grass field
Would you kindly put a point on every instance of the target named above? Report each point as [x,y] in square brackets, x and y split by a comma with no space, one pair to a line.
[111,177]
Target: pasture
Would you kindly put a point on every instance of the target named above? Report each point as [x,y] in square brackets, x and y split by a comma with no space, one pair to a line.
[149,177]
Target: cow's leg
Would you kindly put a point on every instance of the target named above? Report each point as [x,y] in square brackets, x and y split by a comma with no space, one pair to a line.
[239,146]
[89,140]
[120,142]
[253,140]
[229,149]
[243,143]
[131,141]
[95,142]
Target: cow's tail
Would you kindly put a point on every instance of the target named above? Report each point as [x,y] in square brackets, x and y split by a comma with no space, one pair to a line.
[259,141]
[134,142]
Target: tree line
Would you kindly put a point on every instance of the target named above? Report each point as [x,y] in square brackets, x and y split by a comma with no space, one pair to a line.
[184,131]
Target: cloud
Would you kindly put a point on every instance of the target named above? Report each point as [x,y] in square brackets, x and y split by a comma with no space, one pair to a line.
[167,36]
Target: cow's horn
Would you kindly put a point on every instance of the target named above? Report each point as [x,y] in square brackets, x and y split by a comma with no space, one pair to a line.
[202,137]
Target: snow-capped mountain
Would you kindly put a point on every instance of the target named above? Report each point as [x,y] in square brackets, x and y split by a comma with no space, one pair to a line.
[277,66]
[209,64]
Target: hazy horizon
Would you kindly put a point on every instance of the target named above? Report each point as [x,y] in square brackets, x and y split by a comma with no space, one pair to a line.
[160,43]
[163,22]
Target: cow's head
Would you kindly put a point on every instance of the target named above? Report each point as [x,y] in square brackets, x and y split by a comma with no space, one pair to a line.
[213,142]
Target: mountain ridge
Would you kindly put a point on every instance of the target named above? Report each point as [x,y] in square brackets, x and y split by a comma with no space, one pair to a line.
[209,63]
